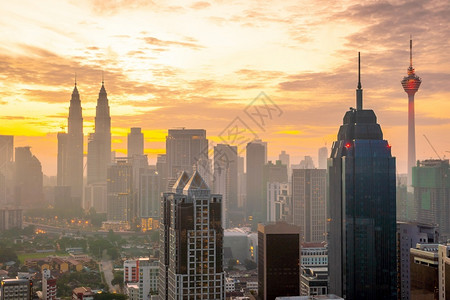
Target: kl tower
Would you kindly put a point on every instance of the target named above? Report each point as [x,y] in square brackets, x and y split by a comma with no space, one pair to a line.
[411,84]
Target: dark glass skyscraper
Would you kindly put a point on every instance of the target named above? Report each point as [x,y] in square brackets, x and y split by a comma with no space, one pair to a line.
[362,229]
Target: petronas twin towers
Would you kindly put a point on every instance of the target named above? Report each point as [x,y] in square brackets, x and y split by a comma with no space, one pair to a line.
[69,193]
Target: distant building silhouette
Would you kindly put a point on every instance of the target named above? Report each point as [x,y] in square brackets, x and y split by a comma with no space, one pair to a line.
[70,153]
[309,203]
[323,156]
[135,142]
[191,242]
[121,203]
[184,148]
[28,179]
[362,235]
[431,182]
[6,169]
[256,158]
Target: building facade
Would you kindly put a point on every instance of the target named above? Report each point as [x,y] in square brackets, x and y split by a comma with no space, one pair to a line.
[256,158]
[362,209]
[309,205]
[16,289]
[278,260]
[135,142]
[28,179]
[191,242]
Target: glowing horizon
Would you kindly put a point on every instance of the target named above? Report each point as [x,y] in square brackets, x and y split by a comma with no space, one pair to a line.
[199,64]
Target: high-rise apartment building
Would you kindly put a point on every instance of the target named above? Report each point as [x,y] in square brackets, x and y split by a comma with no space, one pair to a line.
[279,204]
[10,218]
[184,148]
[431,182]
[135,142]
[410,234]
[226,179]
[48,285]
[278,260]
[309,205]
[362,228]
[256,158]
[191,242]
[28,179]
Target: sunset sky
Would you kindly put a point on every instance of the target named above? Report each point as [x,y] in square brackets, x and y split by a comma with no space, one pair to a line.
[171,64]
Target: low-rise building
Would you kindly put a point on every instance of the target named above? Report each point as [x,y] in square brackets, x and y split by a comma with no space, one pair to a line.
[314,281]
[82,293]
[424,265]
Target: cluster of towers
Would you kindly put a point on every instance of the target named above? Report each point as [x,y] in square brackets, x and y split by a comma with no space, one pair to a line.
[70,151]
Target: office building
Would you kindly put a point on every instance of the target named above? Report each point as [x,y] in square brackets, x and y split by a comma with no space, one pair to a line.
[240,244]
[431,182]
[16,289]
[149,194]
[191,239]
[28,179]
[362,228]
[319,297]
[256,158]
[121,201]
[10,218]
[70,152]
[285,160]
[226,179]
[411,84]
[278,260]
[135,142]
[306,163]
[323,156]
[184,147]
[309,203]
[161,168]
[314,255]
[99,145]
[409,234]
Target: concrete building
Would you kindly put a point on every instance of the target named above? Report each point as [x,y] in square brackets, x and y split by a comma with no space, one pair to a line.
[191,239]
[411,84]
[82,293]
[362,254]
[424,266]
[278,260]
[184,147]
[314,281]
[240,244]
[309,205]
[285,160]
[444,271]
[409,234]
[48,285]
[135,142]
[28,179]
[141,277]
[132,291]
[16,289]
[306,163]
[431,182]
[314,255]
[320,297]
[256,158]
[10,218]
[149,194]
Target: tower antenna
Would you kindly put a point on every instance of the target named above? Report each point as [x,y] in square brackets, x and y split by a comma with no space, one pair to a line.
[359,90]
[75,78]
[410,50]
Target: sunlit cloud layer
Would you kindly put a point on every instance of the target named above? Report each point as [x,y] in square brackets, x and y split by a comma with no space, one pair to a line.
[169,64]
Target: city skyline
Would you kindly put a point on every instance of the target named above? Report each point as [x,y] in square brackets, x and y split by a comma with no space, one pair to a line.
[224,56]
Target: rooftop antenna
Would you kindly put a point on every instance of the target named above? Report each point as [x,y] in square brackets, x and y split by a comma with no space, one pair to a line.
[359,90]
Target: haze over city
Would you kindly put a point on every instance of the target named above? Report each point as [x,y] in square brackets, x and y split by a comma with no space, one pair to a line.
[199,64]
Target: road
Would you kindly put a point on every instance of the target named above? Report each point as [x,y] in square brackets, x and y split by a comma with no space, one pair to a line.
[106,267]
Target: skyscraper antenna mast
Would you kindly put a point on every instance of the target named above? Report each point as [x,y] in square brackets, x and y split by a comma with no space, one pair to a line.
[359,90]
[410,50]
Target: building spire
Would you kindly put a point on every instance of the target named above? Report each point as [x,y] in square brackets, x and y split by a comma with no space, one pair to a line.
[103,78]
[75,78]
[359,90]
